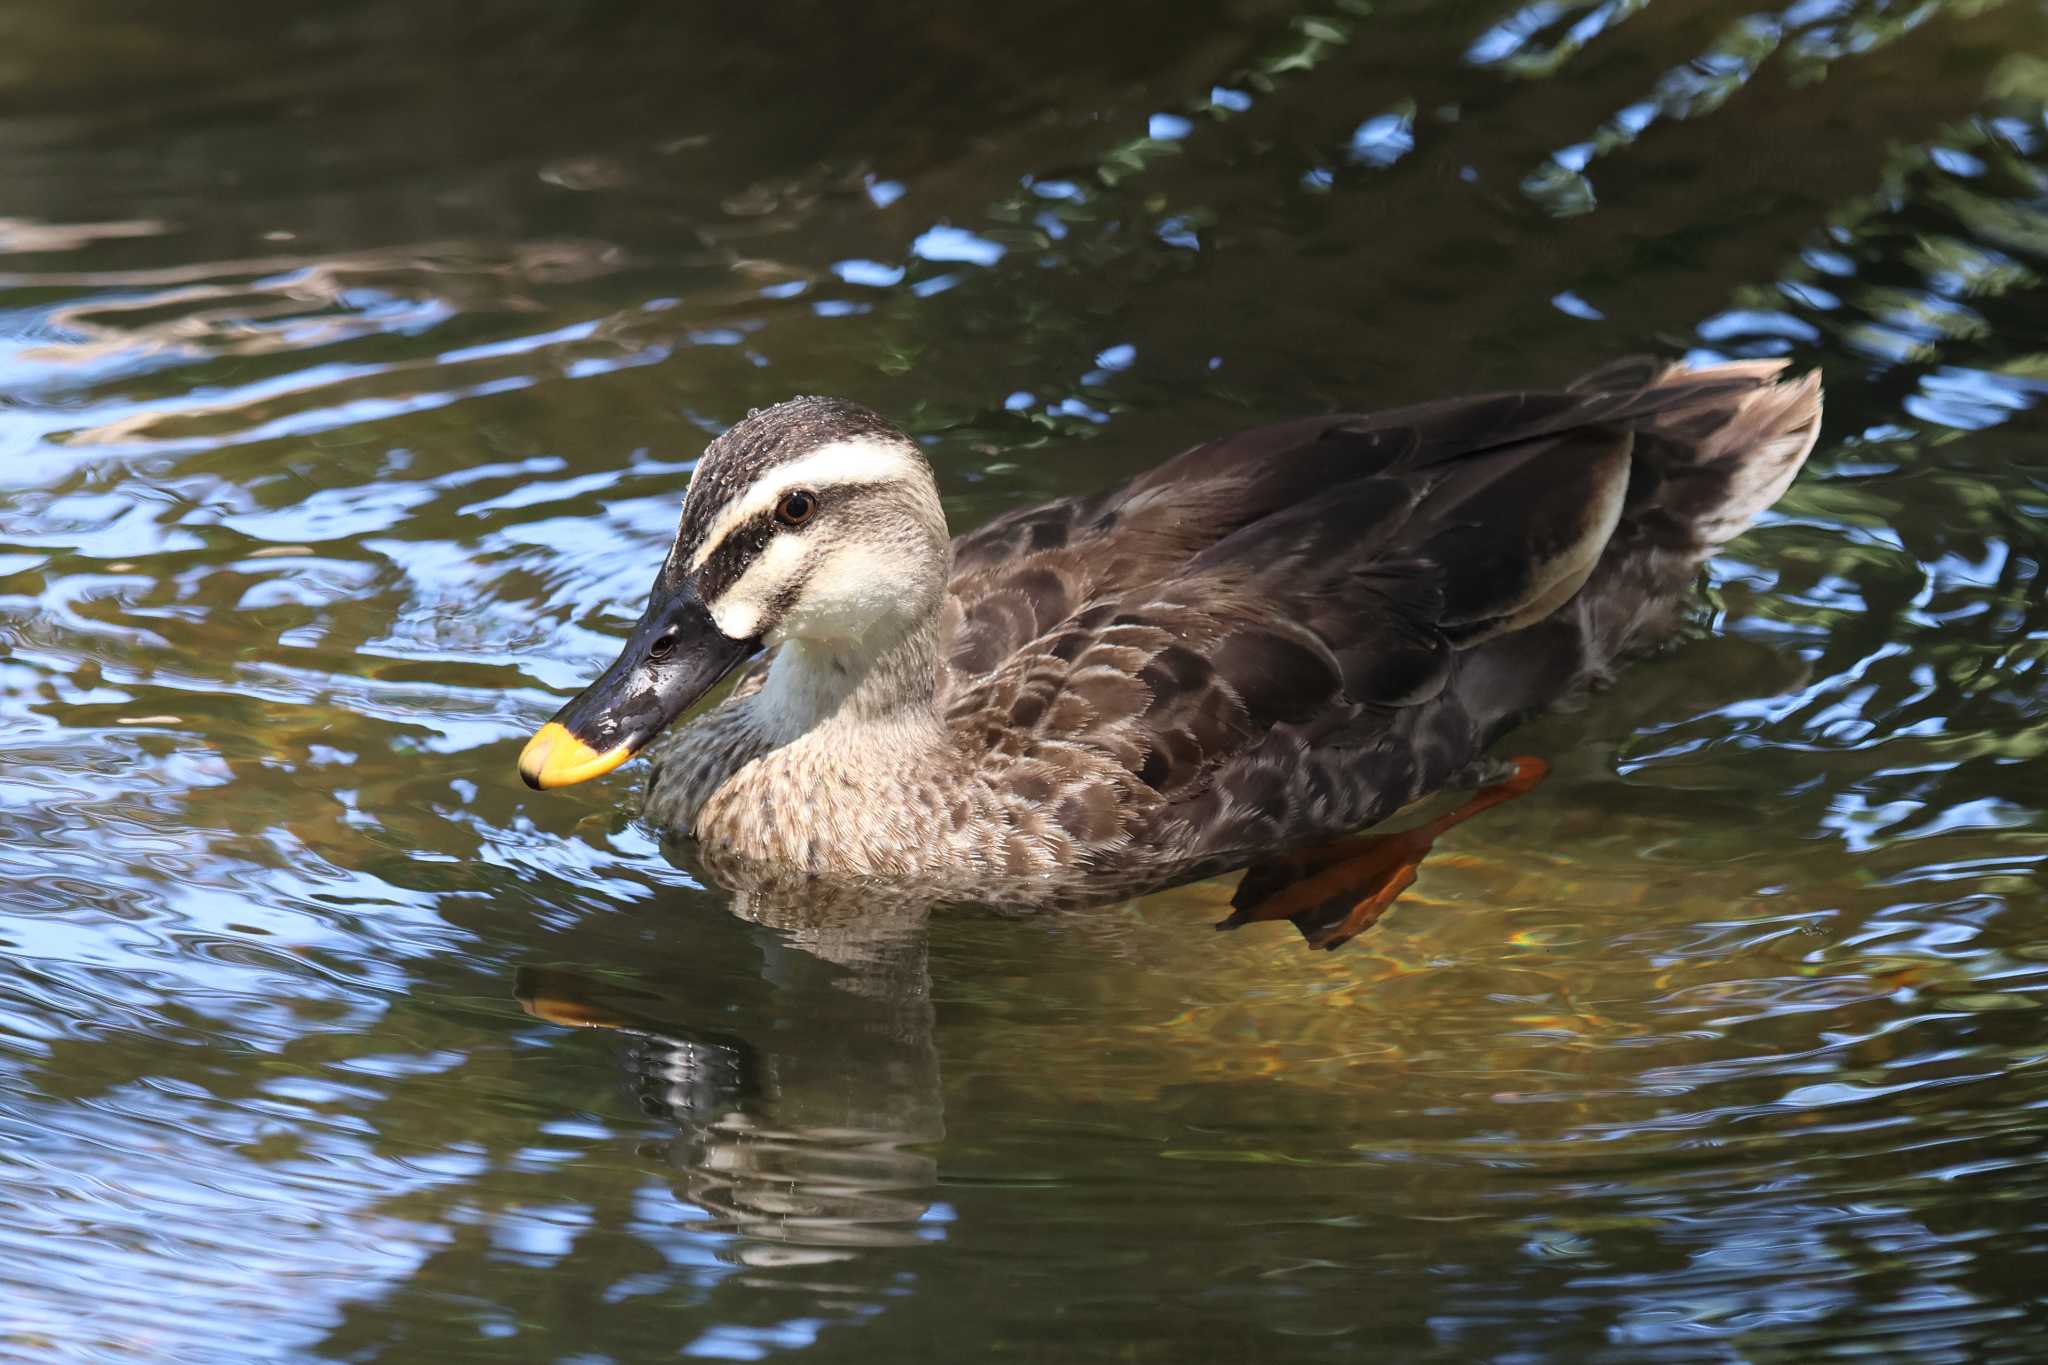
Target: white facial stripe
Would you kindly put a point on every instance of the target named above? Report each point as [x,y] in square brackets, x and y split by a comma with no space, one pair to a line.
[741,609]
[863,460]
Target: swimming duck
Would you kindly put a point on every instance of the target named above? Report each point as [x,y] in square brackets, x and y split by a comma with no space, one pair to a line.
[1272,640]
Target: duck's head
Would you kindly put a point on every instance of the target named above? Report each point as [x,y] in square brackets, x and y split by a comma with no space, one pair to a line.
[814,521]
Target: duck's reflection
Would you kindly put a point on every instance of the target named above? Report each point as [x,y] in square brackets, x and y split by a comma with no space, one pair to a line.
[803,1113]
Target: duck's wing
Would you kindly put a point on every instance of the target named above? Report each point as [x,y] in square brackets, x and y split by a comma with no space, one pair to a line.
[1025,572]
[1279,678]
[1299,629]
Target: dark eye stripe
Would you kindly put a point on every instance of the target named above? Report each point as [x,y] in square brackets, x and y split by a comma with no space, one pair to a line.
[729,561]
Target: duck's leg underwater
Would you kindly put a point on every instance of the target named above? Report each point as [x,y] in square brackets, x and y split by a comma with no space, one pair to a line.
[1334,892]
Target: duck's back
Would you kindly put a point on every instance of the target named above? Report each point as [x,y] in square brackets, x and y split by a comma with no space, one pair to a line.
[1293,631]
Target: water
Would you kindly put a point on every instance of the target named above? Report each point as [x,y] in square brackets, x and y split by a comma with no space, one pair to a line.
[352,358]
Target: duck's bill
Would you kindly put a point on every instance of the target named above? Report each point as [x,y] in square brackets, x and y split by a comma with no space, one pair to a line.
[638,696]
[554,757]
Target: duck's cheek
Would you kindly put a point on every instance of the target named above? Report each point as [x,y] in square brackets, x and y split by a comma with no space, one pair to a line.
[853,593]
[738,620]
[753,604]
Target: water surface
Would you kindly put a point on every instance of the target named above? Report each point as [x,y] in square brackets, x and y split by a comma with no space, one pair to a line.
[352,360]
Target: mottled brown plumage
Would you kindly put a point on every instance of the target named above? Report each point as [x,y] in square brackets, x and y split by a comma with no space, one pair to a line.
[1275,637]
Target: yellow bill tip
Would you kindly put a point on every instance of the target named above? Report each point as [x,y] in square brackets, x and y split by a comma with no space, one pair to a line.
[556,758]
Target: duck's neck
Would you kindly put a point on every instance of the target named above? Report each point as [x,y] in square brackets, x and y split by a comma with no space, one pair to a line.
[833,686]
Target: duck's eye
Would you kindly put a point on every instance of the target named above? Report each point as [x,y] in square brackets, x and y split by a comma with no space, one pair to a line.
[662,646]
[798,506]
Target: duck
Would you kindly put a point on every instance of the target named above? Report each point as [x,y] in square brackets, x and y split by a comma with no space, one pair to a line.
[1247,656]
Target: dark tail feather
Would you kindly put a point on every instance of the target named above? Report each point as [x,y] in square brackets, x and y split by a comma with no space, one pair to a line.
[1726,442]
[1715,446]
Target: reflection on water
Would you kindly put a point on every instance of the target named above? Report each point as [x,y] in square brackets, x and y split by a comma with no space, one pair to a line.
[352,361]
[807,1145]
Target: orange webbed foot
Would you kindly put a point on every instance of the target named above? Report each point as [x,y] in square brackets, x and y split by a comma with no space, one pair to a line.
[1334,892]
